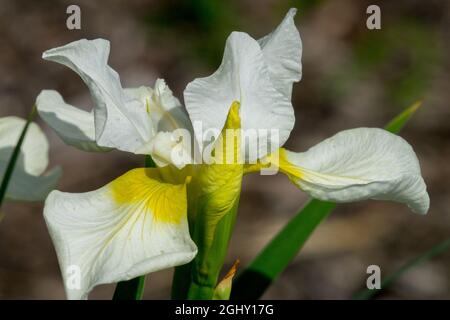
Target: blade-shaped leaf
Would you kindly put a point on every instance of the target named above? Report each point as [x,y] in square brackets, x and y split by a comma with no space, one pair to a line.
[387,281]
[396,124]
[282,249]
[14,156]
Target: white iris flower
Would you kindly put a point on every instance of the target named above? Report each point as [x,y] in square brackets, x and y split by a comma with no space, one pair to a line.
[138,223]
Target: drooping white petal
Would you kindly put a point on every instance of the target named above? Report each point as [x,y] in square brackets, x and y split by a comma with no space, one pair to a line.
[243,76]
[282,50]
[74,126]
[358,164]
[132,226]
[120,122]
[27,182]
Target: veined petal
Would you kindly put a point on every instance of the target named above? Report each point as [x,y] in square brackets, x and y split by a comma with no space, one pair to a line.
[120,123]
[172,135]
[26,182]
[164,108]
[359,164]
[170,148]
[282,50]
[134,225]
[74,126]
[243,77]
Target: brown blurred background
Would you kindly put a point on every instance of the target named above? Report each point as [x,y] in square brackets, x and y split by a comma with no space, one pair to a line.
[352,77]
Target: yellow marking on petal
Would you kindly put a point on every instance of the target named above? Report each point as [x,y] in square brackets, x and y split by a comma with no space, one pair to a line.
[287,167]
[276,160]
[296,173]
[227,149]
[147,106]
[233,120]
[144,189]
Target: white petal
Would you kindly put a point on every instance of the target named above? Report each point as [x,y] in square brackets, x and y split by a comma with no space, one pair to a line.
[170,148]
[34,151]
[120,123]
[282,50]
[164,108]
[132,226]
[74,126]
[358,164]
[26,182]
[242,77]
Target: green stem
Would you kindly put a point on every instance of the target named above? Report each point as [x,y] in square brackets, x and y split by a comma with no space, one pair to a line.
[206,267]
[14,156]
[130,290]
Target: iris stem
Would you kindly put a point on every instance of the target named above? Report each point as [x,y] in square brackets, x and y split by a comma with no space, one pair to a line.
[130,290]
[208,263]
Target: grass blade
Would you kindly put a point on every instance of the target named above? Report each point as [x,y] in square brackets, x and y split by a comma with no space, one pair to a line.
[14,156]
[397,124]
[282,249]
[387,281]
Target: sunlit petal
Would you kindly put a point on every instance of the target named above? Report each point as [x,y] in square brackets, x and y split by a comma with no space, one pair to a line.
[135,225]
[282,50]
[120,122]
[164,108]
[358,164]
[243,77]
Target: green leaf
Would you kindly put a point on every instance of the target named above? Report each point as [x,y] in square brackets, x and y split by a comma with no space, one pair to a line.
[282,249]
[133,289]
[15,155]
[387,281]
[397,124]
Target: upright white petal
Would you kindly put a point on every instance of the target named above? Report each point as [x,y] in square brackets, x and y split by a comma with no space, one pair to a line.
[120,123]
[165,110]
[358,164]
[74,126]
[132,226]
[282,50]
[168,148]
[27,181]
[243,76]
